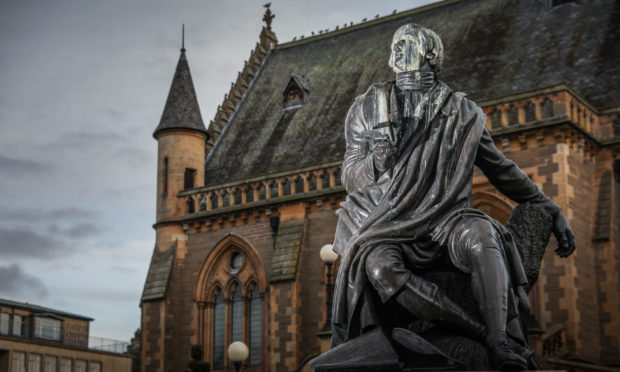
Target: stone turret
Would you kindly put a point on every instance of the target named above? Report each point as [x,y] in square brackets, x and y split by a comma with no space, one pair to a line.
[181,137]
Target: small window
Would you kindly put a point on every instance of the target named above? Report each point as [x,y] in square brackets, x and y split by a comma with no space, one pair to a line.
[236,259]
[80,366]
[294,95]
[296,91]
[18,325]
[4,323]
[34,363]
[50,363]
[190,178]
[165,188]
[47,328]
[18,364]
[95,367]
[66,365]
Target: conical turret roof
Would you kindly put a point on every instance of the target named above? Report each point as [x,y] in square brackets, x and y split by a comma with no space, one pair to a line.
[181,110]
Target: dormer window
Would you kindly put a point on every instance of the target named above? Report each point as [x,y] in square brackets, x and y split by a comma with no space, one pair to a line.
[296,91]
[294,96]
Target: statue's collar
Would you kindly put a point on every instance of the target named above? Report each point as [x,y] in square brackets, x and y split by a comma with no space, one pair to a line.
[415,80]
[432,101]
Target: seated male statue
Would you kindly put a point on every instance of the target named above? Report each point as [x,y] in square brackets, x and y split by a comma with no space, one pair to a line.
[412,144]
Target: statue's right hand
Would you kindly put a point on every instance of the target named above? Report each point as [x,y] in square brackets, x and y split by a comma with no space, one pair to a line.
[383,153]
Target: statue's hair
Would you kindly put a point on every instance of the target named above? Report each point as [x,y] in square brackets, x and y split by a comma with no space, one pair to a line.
[434,46]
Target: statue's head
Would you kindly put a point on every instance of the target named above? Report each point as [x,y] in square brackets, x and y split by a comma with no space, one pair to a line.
[415,48]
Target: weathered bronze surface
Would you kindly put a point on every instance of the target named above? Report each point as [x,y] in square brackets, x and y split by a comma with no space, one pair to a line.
[445,284]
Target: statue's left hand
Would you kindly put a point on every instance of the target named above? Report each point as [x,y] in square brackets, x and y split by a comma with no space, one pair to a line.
[564,235]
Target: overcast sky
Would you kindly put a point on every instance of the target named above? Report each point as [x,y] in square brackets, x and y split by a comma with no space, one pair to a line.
[82,87]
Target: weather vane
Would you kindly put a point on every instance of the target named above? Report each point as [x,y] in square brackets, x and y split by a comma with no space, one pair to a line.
[269,16]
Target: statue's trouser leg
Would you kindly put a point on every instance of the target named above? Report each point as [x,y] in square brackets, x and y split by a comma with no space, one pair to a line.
[423,299]
[489,281]
[490,284]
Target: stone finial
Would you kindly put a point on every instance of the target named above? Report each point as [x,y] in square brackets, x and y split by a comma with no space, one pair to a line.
[269,16]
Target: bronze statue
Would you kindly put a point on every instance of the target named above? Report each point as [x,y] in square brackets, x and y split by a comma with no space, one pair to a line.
[412,144]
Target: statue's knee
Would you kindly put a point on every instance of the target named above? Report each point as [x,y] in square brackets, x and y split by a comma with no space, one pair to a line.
[483,238]
[483,231]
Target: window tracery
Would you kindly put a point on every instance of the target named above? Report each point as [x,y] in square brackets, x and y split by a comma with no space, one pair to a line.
[229,295]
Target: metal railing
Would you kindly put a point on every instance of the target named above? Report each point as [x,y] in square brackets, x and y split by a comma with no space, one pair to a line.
[106,344]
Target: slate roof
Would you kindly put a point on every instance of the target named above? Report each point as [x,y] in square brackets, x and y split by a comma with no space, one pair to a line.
[36,309]
[493,48]
[181,110]
[159,272]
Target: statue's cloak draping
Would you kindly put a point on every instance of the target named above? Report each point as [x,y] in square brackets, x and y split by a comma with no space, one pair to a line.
[415,203]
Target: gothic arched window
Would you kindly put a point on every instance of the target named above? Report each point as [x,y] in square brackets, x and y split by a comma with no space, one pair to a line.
[234,313]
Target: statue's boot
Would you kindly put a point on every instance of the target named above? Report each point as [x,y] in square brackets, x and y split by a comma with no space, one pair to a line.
[490,287]
[426,301]
[502,355]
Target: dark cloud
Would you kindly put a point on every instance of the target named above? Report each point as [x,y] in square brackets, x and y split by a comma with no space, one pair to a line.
[20,167]
[17,284]
[24,243]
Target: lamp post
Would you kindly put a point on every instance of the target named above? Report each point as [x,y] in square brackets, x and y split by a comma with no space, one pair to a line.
[328,256]
[237,353]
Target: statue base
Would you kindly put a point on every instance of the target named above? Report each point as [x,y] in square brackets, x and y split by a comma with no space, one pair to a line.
[374,351]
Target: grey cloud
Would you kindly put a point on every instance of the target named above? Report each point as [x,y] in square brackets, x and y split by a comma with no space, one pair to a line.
[31,214]
[87,139]
[24,243]
[81,230]
[105,295]
[19,167]
[135,156]
[18,284]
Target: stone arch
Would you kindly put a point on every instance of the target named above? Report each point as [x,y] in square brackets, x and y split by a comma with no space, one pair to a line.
[245,289]
[221,271]
[215,264]
[496,206]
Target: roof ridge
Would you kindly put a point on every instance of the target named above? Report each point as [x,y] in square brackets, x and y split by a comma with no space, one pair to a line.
[367,23]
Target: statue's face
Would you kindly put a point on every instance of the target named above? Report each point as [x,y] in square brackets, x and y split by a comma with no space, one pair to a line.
[408,51]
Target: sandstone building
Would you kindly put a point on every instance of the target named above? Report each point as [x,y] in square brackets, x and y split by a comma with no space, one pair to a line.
[39,339]
[245,204]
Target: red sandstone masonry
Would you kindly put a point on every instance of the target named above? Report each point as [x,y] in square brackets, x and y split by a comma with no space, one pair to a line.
[320,231]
